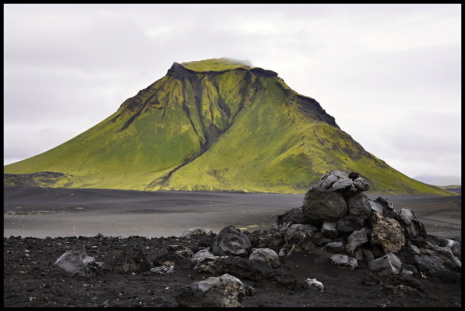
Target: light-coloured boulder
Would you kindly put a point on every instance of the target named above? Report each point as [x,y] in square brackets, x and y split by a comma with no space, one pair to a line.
[266,255]
[197,232]
[74,261]
[386,265]
[223,291]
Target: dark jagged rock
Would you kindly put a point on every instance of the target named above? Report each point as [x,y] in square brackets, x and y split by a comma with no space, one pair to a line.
[321,205]
[230,241]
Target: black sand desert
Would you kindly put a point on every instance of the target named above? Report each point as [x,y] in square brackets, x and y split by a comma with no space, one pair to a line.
[41,224]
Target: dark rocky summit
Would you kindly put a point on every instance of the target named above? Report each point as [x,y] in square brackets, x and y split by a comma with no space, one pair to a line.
[340,249]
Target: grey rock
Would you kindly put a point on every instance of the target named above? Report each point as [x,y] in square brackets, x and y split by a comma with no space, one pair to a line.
[376,206]
[163,270]
[388,207]
[314,284]
[386,265]
[201,255]
[266,255]
[361,184]
[356,239]
[341,184]
[230,241]
[298,232]
[330,178]
[322,205]
[344,262]
[359,206]
[223,291]
[292,216]
[197,232]
[328,229]
[349,223]
[412,226]
[447,256]
[74,262]
[428,264]
[267,238]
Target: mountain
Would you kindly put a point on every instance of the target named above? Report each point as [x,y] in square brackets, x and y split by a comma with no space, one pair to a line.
[214,125]
[438,180]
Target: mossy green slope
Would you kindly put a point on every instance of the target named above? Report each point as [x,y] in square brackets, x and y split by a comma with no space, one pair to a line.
[216,125]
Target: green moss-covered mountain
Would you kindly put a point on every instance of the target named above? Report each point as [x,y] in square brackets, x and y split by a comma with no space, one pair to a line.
[215,125]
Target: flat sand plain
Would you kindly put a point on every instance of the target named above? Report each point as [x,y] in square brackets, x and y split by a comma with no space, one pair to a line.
[58,212]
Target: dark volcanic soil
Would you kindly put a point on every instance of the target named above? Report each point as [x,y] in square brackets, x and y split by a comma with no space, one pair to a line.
[31,280]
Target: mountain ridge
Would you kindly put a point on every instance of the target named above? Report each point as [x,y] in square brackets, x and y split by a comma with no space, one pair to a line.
[221,127]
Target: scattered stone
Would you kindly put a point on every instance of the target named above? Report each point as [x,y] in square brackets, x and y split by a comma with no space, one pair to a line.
[344,262]
[74,262]
[386,265]
[231,241]
[314,284]
[222,291]
[162,270]
[197,232]
[266,255]
[201,255]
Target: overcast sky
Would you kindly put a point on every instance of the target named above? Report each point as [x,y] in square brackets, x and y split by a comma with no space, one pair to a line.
[390,74]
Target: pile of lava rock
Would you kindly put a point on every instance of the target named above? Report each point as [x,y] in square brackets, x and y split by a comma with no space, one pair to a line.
[338,217]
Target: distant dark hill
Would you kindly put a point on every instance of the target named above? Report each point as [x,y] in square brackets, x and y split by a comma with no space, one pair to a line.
[439,180]
[213,125]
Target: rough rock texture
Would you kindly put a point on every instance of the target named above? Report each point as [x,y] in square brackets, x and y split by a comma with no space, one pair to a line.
[387,232]
[231,241]
[322,205]
[222,291]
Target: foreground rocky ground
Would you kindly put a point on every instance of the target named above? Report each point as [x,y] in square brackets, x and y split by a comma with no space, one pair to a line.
[31,279]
